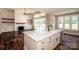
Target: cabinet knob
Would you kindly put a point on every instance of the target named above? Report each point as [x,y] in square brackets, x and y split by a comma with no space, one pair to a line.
[43,49]
[50,38]
[50,41]
[56,39]
[42,42]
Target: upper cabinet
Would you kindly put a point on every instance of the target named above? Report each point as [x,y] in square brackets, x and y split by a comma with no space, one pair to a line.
[20,17]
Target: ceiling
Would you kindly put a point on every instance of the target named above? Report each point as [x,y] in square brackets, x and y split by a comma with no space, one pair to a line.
[54,11]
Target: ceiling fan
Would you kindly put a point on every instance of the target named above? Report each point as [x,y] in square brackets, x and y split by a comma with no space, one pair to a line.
[30,13]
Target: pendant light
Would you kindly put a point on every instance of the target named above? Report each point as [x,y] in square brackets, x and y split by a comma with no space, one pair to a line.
[26,12]
[30,13]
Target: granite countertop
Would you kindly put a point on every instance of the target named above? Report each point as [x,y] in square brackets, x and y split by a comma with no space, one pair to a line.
[38,35]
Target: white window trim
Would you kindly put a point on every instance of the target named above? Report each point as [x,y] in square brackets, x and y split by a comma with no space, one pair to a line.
[69,23]
[78,23]
[39,18]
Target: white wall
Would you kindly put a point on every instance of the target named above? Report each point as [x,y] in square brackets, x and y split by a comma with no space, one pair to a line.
[6,27]
[5,13]
[50,20]
[22,19]
[47,20]
[19,17]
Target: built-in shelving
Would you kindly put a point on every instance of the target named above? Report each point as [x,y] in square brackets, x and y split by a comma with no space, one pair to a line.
[20,23]
[29,21]
[7,20]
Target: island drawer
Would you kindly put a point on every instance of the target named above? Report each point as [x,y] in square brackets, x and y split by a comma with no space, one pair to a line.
[43,44]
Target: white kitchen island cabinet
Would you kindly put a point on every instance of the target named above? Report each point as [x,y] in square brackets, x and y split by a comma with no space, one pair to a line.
[41,40]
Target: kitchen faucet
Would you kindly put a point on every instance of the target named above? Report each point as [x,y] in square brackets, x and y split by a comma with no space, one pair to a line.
[50,27]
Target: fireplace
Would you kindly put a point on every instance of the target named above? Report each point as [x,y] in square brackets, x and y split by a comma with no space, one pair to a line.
[20,29]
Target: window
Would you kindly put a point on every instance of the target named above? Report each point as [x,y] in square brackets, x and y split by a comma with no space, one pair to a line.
[74,22]
[66,22]
[60,22]
[40,23]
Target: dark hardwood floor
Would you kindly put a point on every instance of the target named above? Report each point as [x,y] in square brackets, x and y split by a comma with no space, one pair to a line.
[15,41]
[11,41]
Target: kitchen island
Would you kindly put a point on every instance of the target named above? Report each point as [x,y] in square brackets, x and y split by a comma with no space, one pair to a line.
[41,40]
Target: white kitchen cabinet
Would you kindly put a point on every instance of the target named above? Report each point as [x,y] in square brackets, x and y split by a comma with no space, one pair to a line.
[29,43]
[55,41]
[47,43]
[51,43]
[43,44]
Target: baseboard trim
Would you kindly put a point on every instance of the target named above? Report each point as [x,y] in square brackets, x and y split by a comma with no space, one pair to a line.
[71,34]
